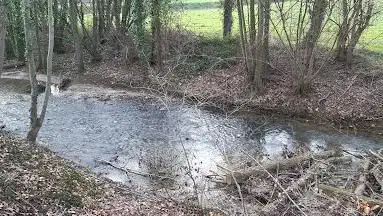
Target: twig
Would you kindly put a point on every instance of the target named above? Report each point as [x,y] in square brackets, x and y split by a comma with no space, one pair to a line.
[348,88]
[240,194]
[126,170]
[279,185]
[380,157]
[359,190]
[378,175]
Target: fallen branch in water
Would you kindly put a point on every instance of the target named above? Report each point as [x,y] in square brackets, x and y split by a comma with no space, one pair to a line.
[126,170]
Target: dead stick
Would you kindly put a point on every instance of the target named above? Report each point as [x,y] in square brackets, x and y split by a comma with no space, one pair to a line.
[337,191]
[133,171]
[380,157]
[378,175]
[243,175]
[359,190]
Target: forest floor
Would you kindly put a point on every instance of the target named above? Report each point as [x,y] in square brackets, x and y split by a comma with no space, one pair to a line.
[34,181]
[339,97]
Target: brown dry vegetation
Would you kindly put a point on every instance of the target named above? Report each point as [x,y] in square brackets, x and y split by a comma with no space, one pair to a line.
[34,181]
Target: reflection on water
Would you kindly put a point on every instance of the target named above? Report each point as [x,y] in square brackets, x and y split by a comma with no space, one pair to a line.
[144,137]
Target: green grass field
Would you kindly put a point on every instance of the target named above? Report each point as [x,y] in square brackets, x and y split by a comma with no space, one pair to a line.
[206,20]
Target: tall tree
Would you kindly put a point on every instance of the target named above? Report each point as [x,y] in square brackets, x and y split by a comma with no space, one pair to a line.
[156,56]
[117,14]
[77,36]
[37,120]
[355,18]
[3,32]
[227,17]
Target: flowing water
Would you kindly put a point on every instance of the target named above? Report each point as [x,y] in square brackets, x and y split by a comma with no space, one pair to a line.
[87,125]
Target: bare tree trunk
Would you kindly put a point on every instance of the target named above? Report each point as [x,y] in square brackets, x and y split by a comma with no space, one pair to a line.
[227,17]
[101,17]
[126,15]
[60,8]
[77,37]
[252,21]
[244,42]
[318,12]
[29,42]
[117,14]
[36,121]
[108,13]
[312,36]
[356,16]
[156,57]
[342,34]
[95,25]
[48,61]
[260,56]
[3,32]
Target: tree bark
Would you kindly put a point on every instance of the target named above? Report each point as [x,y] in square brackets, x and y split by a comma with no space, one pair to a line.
[156,56]
[36,121]
[77,36]
[3,33]
[227,18]
[29,42]
[125,20]
[117,14]
[101,17]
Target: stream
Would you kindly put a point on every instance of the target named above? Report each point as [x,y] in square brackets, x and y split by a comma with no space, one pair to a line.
[88,124]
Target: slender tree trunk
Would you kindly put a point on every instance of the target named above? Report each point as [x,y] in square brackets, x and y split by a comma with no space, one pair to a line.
[77,36]
[316,23]
[101,17]
[95,25]
[343,32]
[3,32]
[156,57]
[48,61]
[246,52]
[266,33]
[60,24]
[117,14]
[252,23]
[260,56]
[108,13]
[36,121]
[29,41]
[126,15]
[227,18]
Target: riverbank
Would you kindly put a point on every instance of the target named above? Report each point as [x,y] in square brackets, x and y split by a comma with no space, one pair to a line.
[342,98]
[34,181]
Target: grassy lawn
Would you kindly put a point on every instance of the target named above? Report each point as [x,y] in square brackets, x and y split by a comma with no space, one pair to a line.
[207,21]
